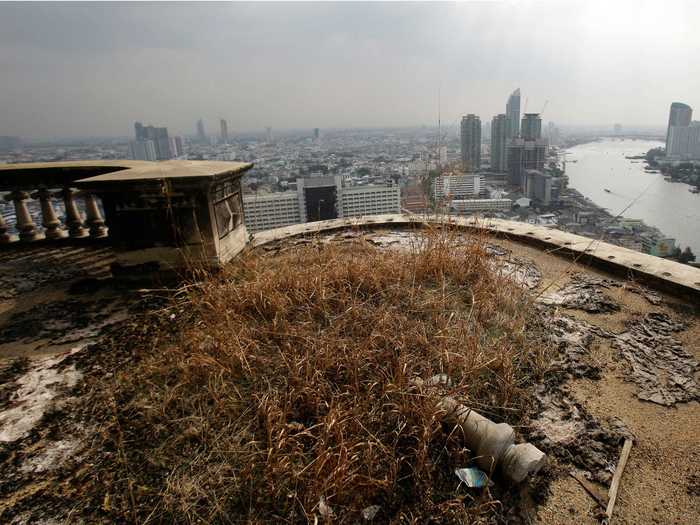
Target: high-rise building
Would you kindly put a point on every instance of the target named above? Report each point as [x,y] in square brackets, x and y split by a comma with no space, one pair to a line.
[268,134]
[513,114]
[224,131]
[684,142]
[525,155]
[317,133]
[138,129]
[142,150]
[537,185]
[471,142]
[531,126]
[527,152]
[499,125]
[201,135]
[151,143]
[177,146]
[679,115]
[162,143]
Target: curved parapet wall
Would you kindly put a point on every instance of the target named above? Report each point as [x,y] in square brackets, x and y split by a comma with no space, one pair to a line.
[655,271]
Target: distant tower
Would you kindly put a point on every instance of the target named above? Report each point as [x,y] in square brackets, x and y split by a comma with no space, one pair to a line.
[513,114]
[201,135]
[138,128]
[317,133]
[680,115]
[268,134]
[471,142]
[224,131]
[499,125]
[531,126]
[151,143]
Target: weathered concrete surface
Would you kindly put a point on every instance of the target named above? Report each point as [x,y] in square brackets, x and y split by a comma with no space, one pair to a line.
[581,425]
[30,175]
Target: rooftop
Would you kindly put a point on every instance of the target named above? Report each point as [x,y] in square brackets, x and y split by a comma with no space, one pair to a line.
[619,359]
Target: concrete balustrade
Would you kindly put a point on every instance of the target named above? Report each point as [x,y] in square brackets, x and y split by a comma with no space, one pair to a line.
[5,238]
[158,215]
[51,223]
[25,225]
[74,221]
[75,227]
[95,222]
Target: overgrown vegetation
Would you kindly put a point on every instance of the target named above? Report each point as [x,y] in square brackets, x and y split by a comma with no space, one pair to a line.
[285,391]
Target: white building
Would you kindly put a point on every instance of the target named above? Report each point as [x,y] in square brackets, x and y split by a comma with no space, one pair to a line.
[318,197]
[472,205]
[456,186]
[271,210]
[370,200]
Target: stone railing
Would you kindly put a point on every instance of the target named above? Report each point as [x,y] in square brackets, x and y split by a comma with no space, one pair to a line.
[159,215]
[659,273]
[75,226]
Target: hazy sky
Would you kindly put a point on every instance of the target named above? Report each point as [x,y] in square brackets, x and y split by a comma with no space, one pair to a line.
[93,69]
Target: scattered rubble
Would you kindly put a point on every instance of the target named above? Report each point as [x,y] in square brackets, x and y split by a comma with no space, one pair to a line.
[573,338]
[564,429]
[583,292]
[653,297]
[662,369]
[521,270]
[560,425]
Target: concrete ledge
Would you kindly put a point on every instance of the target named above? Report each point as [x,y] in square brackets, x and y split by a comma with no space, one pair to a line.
[654,271]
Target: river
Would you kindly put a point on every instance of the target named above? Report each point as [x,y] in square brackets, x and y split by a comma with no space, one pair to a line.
[668,206]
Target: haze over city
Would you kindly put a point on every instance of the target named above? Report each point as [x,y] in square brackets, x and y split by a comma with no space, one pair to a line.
[92,70]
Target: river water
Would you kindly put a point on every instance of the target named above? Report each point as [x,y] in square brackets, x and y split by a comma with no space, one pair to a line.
[669,206]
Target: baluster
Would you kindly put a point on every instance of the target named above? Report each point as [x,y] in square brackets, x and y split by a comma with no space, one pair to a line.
[25,224]
[74,221]
[50,219]
[5,237]
[94,217]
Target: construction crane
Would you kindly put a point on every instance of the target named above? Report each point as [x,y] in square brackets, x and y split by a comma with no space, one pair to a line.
[544,107]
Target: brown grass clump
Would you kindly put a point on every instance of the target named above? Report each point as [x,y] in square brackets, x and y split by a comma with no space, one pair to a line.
[287,394]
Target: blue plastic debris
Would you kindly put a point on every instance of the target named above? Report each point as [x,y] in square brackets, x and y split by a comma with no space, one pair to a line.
[472,477]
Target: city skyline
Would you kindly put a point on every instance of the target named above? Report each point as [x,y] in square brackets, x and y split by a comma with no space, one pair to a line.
[363,66]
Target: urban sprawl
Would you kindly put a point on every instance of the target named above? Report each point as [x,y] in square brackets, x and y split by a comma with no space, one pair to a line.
[508,168]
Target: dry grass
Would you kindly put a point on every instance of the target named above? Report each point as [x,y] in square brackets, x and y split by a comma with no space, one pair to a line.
[289,379]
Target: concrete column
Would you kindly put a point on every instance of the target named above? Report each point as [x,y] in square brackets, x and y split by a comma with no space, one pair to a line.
[74,221]
[94,217]
[5,237]
[25,225]
[50,219]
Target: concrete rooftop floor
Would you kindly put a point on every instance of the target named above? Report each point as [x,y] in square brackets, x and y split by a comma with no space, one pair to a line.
[53,299]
